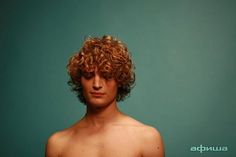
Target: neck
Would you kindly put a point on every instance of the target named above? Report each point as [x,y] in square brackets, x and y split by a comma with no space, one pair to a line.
[98,117]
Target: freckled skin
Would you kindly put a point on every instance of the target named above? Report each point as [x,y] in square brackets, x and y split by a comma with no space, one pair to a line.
[104,131]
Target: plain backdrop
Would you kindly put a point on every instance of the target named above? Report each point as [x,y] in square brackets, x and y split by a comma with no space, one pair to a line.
[185,57]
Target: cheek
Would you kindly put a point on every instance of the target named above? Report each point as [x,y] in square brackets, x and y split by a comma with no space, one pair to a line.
[85,86]
[84,83]
[113,88]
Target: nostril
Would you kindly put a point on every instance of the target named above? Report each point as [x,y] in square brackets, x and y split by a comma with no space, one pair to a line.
[97,84]
[97,87]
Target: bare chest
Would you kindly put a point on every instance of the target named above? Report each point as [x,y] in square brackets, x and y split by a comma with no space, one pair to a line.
[116,143]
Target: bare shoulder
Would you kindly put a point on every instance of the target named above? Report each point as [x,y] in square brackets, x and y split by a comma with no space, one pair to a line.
[56,142]
[151,142]
[145,131]
[150,133]
[143,128]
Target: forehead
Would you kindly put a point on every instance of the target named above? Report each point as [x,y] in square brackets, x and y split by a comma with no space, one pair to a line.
[95,68]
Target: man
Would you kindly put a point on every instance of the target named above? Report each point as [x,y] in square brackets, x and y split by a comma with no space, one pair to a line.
[102,73]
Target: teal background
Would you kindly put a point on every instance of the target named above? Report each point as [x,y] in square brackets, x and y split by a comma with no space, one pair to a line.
[185,56]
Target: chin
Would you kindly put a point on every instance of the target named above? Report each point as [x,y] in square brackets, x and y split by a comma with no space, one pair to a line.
[99,103]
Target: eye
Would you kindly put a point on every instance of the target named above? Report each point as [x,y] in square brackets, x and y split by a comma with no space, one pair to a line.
[88,75]
[107,76]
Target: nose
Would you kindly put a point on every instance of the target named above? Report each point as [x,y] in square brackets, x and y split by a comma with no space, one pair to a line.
[97,82]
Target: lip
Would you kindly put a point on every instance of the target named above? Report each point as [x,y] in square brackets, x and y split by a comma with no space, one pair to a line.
[97,94]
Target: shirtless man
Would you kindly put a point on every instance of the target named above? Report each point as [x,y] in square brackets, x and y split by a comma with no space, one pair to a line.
[102,74]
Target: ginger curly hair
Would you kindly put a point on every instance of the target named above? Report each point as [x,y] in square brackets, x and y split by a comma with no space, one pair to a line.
[108,55]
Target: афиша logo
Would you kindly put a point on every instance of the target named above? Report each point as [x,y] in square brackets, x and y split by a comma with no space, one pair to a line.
[202,148]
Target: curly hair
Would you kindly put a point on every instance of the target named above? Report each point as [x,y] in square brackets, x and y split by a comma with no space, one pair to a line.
[108,55]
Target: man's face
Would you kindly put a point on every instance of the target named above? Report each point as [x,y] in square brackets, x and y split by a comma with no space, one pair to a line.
[99,90]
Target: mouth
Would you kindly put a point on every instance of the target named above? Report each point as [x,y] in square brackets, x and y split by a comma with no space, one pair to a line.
[97,94]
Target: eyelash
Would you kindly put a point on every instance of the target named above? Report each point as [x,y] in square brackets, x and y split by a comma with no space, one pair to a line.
[106,76]
[89,75]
